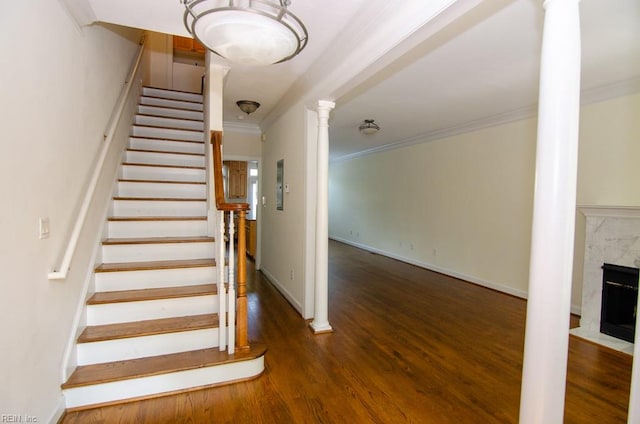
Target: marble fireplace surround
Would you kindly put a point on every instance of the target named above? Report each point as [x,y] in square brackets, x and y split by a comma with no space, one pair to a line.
[612,236]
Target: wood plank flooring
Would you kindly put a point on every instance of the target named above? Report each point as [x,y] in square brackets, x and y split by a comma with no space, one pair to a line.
[409,346]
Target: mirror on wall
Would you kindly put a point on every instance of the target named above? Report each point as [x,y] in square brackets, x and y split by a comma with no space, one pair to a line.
[280,185]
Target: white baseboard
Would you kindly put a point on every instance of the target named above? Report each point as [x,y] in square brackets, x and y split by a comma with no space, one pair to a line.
[575,309]
[293,301]
[58,412]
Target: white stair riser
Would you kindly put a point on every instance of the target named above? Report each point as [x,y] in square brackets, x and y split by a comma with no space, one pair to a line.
[157,278]
[114,313]
[178,104]
[167,122]
[140,189]
[171,134]
[165,383]
[164,158]
[169,94]
[166,145]
[156,252]
[130,229]
[170,113]
[139,347]
[133,172]
[159,208]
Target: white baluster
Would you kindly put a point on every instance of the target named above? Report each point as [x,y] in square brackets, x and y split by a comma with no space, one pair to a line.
[222,296]
[232,284]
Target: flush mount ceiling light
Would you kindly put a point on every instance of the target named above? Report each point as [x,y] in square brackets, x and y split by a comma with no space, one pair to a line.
[369,127]
[248,32]
[248,106]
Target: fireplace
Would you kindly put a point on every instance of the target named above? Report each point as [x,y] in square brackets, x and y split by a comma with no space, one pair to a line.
[612,236]
[619,301]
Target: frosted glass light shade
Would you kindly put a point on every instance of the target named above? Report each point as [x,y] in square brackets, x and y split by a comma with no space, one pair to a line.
[246,38]
[258,32]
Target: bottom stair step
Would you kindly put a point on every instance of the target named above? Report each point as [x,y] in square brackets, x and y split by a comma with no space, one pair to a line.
[97,384]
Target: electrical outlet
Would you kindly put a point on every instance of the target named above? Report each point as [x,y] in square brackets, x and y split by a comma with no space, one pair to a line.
[43,227]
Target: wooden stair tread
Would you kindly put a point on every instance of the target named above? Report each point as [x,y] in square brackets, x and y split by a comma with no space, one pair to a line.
[157,218]
[156,165]
[128,180]
[152,265]
[163,199]
[173,140]
[144,367]
[98,333]
[123,296]
[166,128]
[165,152]
[157,240]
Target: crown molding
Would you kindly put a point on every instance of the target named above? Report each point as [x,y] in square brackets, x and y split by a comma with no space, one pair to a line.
[478,124]
[610,91]
[247,128]
[588,96]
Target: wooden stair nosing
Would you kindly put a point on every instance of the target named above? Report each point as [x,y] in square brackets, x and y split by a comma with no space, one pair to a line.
[167,128]
[124,296]
[161,199]
[168,117]
[126,330]
[157,240]
[165,152]
[130,180]
[155,265]
[155,165]
[156,218]
[163,364]
[173,140]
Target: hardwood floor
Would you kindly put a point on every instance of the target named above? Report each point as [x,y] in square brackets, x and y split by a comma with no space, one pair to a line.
[409,346]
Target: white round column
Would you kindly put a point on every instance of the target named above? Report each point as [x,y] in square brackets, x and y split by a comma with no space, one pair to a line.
[549,299]
[320,323]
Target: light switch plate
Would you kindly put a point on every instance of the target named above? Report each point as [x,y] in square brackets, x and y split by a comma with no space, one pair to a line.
[43,225]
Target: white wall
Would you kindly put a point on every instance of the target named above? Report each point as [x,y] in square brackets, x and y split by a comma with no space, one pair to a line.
[455,205]
[283,236]
[463,205]
[58,85]
[242,144]
[187,77]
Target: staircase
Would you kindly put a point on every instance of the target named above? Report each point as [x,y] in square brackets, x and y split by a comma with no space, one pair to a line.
[152,322]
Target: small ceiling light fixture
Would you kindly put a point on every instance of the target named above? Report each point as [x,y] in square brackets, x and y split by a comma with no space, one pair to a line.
[248,32]
[248,106]
[369,127]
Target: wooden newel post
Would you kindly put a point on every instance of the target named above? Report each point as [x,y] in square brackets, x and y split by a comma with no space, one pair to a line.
[242,341]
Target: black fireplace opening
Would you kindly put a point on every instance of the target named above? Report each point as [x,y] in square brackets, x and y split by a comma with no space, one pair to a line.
[619,301]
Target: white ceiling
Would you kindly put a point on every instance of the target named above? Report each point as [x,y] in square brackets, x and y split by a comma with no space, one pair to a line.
[420,69]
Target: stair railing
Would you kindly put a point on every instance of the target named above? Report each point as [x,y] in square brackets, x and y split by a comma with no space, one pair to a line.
[235,304]
[60,272]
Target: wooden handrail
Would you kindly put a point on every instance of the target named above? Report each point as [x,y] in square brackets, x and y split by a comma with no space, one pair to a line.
[242,341]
